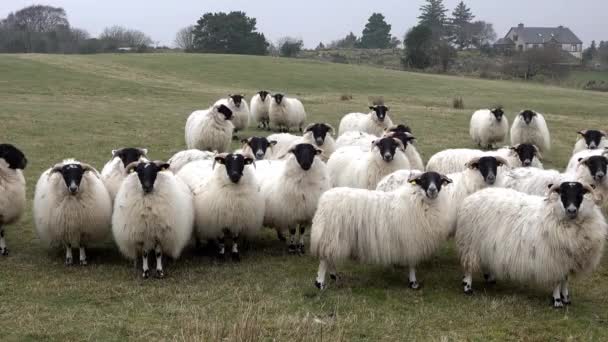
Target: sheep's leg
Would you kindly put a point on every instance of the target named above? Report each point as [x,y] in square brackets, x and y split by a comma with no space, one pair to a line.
[144,265]
[3,249]
[235,249]
[83,256]
[301,242]
[320,281]
[467,283]
[292,241]
[557,296]
[69,260]
[489,278]
[221,248]
[565,293]
[280,235]
[333,273]
[413,284]
[159,262]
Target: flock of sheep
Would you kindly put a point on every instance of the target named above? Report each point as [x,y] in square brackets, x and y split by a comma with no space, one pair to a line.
[367,195]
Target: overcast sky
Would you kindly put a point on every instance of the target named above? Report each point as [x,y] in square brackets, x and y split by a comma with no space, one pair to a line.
[320,20]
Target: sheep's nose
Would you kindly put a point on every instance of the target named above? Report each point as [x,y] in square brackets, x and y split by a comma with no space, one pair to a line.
[388,157]
[73,189]
[599,176]
[527,162]
[571,212]
[235,177]
[432,192]
[592,146]
[320,141]
[491,179]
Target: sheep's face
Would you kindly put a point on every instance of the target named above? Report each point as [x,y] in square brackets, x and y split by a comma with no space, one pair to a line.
[498,113]
[400,129]
[571,195]
[592,138]
[129,155]
[380,112]
[527,115]
[487,167]
[405,138]
[597,166]
[13,157]
[147,172]
[263,94]
[72,176]
[319,132]
[259,146]
[222,109]
[278,98]
[431,183]
[237,100]
[387,147]
[235,164]
[305,155]
[525,153]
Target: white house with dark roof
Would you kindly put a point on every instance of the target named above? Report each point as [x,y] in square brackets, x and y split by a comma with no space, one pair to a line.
[523,38]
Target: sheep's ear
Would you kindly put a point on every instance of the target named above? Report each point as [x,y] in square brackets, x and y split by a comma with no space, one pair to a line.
[244,141]
[473,163]
[220,159]
[400,144]
[248,161]
[131,167]
[603,133]
[388,109]
[332,130]
[165,166]
[445,180]
[372,107]
[554,188]
[272,142]
[114,152]
[500,161]
[583,132]
[144,151]
[374,143]
[318,151]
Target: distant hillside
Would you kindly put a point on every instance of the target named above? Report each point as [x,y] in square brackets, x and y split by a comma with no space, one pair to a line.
[382,58]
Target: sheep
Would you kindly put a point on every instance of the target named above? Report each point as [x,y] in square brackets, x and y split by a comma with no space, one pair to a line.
[210,129]
[396,179]
[522,155]
[530,127]
[240,111]
[489,127]
[577,157]
[376,122]
[153,211]
[12,188]
[113,172]
[260,103]
[258,147]
[227,199]
[404,227]
[291,188]
[532,181]
[454,160]
[353,167]
[507,234]
[285,113]
[72,208]
[590,140]
[181,158]
[317,134]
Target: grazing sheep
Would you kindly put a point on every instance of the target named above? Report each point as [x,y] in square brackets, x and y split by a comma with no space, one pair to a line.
[376,122]
[355,168]
[507,234]
[257,147]
[404,227]
[489,127]
[530,127]
[260,104]
[72,207]
[210,129]
[590,140]
[113,173]
[286,113]
[240,111]
[181,158]
[152,212]
[227,199]
[291,188]
[12,188]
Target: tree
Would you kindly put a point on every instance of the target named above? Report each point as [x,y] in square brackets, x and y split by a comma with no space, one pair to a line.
[460,25]
[232,32]
[321,46]
[590,53]
[35,29]
[377,33]
[184,39]
[289,47]
[418,47]
[394,43]
[433,15]
[482,33]
[115,37]
[443,54]
[348,42]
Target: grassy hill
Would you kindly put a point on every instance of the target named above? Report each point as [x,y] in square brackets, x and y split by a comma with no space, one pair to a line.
[55,107]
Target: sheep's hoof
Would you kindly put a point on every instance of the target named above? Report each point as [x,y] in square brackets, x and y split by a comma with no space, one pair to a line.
[489,279]
[146,274]
[69,261]
[333,277]
[4,251]
[414,285]
[301,249]
[557,303]
[280,236]
[566,300]
[160,274]
[236,257]
[292,249]
[83,262]
[320,286]
[468,289]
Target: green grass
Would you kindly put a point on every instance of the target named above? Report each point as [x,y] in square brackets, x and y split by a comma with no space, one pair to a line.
[55,107]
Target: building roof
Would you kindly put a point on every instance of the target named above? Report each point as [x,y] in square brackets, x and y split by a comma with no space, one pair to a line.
[541,35]
[504,41]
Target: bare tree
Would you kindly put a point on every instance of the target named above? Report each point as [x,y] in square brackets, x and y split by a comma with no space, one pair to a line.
[117,36]
[184,39]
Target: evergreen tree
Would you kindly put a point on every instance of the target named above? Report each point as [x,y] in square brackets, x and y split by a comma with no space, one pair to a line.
[461,34]
[377,33]
[433,16]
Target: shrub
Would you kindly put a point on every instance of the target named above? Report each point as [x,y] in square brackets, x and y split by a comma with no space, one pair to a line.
[458,103]
[346,97]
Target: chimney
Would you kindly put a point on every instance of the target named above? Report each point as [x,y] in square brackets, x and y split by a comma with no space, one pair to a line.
[520,26]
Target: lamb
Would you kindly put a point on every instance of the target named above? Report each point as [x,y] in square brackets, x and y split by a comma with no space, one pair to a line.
[12,188]
[257,147]
[291,188]
[72,208]
[375,123]
[317,134]
[181,158]
[507,234]
[355,168]
[489,127]
[227,199]
[240,111]
[590,140]
[153,212]
[260,104]
[530,127]
[113,173]
[285,113]
[210,129]
[404,227]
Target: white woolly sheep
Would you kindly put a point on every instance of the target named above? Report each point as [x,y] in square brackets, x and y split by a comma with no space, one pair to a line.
[489,127]
[455,160]
[210,129]
[113,173]
[530,127]
[240,111]
[260,104]
[375,122]
[355,168]
[317,134]
[522,155]
[258,147]
[286,113]
[12,188]
[507,234]
[227,199]
[153,212]
[181,158]
[72,208]
[404,227]
[577,157]
[590,140]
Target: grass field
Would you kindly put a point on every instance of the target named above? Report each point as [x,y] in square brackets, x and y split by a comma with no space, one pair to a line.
[55,107]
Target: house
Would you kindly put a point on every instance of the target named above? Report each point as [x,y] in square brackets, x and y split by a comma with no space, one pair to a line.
[523,38]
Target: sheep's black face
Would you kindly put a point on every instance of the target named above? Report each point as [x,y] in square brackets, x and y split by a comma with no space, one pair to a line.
[488,167]
[571,195]
[72,176]
[237,100]
[263,94]
[225,111]
[387,148]
[235,164]
[431,183]
[400,129]
[278,98]
[498,113]
[259,146]
[147,173]
[319,132]
[13,156]
[380,112]
[592,138]
[528,115]
[597,167]
[129,155]
[305,155]
[525,153]
[405,138]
